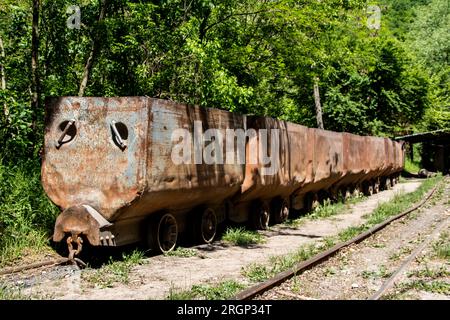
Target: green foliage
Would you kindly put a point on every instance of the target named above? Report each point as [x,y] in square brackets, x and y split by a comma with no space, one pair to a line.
[221,291]
[7,293]
[436,286]
[241,237]
[412,166]
[26,215]
[114,271]
[327,209]
[182,253]
[224,290]
[246,56]
[441,247]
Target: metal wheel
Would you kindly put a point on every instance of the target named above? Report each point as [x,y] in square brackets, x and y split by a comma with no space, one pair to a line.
[163,234]
[368,188]
[208,225]
[347,193]
[260,215]
[376,187]
[387,184]
[392,180]
[280,210]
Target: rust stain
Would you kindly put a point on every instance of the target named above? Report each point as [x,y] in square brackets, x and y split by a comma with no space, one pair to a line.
[91,167]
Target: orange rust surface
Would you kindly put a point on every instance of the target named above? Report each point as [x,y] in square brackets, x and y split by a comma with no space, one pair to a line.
[91,168]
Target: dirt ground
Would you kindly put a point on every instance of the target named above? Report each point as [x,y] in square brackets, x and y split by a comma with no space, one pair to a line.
[158,275]
[360,270]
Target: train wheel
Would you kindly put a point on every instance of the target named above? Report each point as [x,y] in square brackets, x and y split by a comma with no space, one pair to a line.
[163,233]
[280,210]
[347,193]
[387,184]
[376,186]
[368,188]
[307,202]
[315,201]
[207,225]
[356,191]
[392,182]
[260,215]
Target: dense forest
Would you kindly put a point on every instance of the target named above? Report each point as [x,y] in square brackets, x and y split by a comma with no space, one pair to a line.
[379,68]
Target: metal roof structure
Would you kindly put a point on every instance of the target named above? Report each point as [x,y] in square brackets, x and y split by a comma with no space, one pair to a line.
[442,136]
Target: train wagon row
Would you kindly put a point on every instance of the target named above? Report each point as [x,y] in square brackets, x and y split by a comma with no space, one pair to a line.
[132,169]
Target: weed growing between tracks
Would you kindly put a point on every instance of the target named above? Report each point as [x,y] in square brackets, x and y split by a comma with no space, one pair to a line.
[441,248]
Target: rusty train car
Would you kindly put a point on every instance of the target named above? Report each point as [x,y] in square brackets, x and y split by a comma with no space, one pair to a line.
[108,164]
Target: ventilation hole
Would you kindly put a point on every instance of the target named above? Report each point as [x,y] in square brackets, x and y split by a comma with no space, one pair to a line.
[71,132]
[123,130]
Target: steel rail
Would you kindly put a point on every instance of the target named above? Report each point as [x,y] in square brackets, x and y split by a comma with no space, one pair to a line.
[35,265]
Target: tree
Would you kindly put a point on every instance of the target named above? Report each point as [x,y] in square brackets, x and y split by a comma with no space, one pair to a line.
[35,81]
[92,53]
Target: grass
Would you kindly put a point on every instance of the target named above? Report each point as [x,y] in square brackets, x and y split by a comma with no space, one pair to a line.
[114,271]
[441,248]
[241,237]
[223,290]
[327,209]
[182,253]
[396,256]
[26,214]
[436,286]
[380,273]
[412,166]
[430,273]
[7,293]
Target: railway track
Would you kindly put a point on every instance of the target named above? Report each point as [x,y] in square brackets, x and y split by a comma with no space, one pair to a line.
[280,278]
[42,264]
[35,265]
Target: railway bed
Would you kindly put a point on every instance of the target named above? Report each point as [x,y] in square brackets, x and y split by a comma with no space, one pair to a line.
[299,283]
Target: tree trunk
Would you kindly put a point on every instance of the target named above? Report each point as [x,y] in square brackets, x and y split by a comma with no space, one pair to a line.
[2,61]
[92,53]
[318,105]
[3,77]
[34,63]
